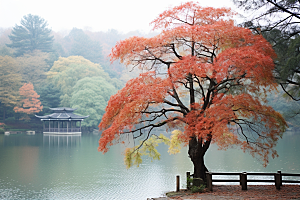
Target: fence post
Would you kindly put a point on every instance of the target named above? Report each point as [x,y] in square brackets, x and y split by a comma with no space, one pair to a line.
[277,181]
[188,180]
[243,180]
[177,183]
[241,177]
[209,181]
[280,177]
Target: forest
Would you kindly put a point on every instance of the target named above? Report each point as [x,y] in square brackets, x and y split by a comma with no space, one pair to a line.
[42,69]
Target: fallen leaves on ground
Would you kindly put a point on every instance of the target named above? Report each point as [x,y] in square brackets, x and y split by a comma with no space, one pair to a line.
[235,192]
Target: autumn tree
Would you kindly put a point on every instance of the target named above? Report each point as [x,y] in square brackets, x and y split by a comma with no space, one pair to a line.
[33,67]
[10,82]
[30,103]
[278,22]
[32,34]
[202,75]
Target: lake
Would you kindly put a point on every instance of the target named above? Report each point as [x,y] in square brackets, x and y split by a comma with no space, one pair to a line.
[70,167]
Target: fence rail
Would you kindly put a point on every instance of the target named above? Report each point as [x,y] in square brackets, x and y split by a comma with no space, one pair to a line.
[243,178]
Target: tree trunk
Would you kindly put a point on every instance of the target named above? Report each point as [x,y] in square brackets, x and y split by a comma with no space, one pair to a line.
[196,152]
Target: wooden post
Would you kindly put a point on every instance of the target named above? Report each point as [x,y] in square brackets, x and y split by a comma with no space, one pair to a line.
[241,177]
[280,177]
[188,180]
[243,180]
[177,183]
[209,181]
[277,181]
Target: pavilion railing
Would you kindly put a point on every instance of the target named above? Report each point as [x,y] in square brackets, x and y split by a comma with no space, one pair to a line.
[63,130]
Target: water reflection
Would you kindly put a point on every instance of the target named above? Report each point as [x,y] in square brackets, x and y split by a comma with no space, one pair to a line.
[61,140]
[70,167]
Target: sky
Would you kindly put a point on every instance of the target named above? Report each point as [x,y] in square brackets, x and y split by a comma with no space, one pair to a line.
[94,15]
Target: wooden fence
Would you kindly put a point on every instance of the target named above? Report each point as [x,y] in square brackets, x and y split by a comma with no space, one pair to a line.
[243,178]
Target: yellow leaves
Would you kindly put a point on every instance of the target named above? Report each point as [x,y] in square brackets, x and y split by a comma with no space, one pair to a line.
[10,81]
[175,143]
[133,156]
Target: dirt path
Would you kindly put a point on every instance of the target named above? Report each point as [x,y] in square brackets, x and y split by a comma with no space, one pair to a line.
[235,192]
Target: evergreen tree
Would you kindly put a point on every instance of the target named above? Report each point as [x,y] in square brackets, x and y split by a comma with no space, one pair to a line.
[278,22]
[31,35]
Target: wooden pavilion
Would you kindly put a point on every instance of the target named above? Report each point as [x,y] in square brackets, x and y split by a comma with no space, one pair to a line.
[62,122]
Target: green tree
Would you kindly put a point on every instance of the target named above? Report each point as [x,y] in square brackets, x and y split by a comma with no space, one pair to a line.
[49,97]
[90,96]
[65,73]
[278,21]
[288,65]
[288,108]
[32,34]
[10,82]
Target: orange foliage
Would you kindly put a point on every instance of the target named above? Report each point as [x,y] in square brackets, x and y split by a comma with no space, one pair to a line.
[125,107]
[223,69]
[30,103]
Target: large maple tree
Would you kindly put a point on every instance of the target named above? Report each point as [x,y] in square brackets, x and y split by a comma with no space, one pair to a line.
[202,75]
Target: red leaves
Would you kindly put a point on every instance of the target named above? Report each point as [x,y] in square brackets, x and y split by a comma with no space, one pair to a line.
[189,65]
[192,14]
[30,102]
[247,61]
[221,69]
[124,108]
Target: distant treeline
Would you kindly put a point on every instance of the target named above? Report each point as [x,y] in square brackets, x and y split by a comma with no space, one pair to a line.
[68,69]
[65,69]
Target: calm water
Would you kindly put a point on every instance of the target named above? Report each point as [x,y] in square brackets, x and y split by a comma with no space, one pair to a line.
[69,167]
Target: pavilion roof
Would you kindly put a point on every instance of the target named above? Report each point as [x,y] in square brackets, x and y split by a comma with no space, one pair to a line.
[63,109]
[62,114]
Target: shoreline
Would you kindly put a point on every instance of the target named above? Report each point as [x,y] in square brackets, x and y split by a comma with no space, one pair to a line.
[287,191]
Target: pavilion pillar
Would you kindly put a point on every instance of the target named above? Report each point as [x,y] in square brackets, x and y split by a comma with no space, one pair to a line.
[43,126]
[67,126]
[58,125]
[49,125]
[80,126]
